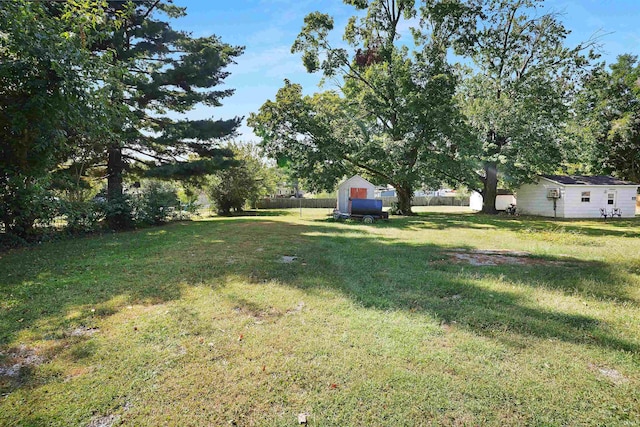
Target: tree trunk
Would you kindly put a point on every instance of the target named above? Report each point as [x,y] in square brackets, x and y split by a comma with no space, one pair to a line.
[118,214]
[490,190]
[405,194]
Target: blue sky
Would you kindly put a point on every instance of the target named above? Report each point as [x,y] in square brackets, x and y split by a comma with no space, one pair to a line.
[267,28]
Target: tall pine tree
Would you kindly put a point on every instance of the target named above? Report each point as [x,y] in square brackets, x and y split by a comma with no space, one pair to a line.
[159,74]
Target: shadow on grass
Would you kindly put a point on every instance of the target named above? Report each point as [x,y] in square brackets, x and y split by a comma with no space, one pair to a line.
[442,221]
[587,227]
[385,275]
[256,212]
[65,284]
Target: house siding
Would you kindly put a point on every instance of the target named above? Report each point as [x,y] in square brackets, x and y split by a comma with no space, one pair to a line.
[532,199]
[625,200]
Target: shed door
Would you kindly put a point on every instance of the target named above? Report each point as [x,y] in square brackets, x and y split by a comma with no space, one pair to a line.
[611,198]
[358,193]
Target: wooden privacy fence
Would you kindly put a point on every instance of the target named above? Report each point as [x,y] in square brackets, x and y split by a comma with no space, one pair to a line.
[430,201]
[280,203]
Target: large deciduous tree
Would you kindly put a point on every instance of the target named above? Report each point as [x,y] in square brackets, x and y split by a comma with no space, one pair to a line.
[166,73]
[391,118]
[610,112]
[46,76]
[518,97]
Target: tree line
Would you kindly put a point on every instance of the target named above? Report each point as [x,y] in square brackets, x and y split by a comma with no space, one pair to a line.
[483,92]
[486,92]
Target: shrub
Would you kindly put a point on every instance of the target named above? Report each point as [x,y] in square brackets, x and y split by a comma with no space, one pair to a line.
[24,203]
[120,212]
[248,181]
[157,203]
[84,216]
[231,188]
[10,241]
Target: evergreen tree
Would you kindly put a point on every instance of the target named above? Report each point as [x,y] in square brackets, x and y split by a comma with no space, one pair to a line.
[161,73]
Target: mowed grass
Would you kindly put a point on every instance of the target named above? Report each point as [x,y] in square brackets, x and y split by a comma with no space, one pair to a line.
[199,323]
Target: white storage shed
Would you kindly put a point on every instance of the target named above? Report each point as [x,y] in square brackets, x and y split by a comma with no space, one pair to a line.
[355,187]
[503,200]
[576,196]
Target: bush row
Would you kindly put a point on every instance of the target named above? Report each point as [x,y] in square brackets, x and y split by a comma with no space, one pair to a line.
[153,204]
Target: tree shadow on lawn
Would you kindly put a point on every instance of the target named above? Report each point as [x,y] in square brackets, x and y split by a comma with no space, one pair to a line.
[44,286]
[443,221]
[256,212]
[61,285]
[71,283]
[384,274]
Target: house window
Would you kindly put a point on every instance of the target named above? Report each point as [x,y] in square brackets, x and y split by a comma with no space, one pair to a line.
[586,196]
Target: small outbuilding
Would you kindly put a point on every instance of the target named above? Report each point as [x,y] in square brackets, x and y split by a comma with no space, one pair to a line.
[577,196]
[355,187]
[503,200]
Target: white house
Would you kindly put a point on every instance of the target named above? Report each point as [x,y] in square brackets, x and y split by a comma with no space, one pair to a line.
[355,187]
[503,200]
[287,190]
[566,196]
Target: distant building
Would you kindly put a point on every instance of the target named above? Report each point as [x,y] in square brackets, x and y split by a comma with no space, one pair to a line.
[287,190]
[503,200]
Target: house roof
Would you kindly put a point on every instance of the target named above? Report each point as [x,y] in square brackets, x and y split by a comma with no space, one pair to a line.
[587,180]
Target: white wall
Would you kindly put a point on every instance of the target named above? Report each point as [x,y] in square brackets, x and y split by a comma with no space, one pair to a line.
[475,201]
[502,201]
[532,199]
[344,190]
[625,200]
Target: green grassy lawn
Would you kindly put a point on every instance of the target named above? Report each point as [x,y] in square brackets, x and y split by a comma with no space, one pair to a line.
[200,323]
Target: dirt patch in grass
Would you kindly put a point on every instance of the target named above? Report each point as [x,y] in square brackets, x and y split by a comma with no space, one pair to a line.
[288,259]
[295,310]
[611,374]
[82,331]
[106,421]
[17,359]
[495,257]
[257,313]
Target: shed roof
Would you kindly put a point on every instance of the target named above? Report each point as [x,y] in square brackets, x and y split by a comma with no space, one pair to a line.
[355,178]
[587,180]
